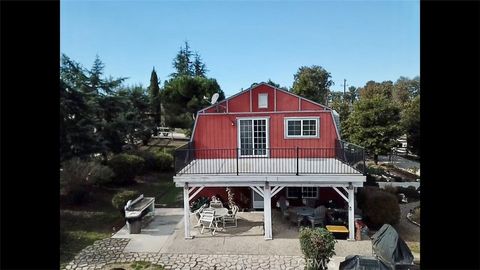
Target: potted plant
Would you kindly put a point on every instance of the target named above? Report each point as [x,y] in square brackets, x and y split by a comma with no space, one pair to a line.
[317,246]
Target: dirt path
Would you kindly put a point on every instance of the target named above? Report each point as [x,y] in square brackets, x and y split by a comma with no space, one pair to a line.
[407,230]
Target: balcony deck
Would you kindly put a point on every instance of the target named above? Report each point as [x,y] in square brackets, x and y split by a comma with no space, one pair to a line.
[270,166]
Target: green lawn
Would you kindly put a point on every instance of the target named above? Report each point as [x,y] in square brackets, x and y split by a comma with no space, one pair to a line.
[97,219]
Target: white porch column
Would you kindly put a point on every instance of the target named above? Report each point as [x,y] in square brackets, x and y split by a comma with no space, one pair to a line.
[186,211]
[351,216]
[267,211]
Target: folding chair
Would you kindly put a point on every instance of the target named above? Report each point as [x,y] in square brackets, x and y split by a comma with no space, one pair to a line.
[198,213]
[207,220]
[231,218]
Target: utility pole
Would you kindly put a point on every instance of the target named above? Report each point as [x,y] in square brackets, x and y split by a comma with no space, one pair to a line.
[344,88]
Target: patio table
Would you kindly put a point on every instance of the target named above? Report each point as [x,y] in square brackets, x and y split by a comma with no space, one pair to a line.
[304,211]
[219,212]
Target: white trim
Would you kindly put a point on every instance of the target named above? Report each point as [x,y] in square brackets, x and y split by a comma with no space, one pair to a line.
[275,99]
[227,105]
[186,211]
[335,124]
[250,100]
[274,189]
[301,136]
[306,197]
[258,190]
[279,188]
[320,180]
[340,193]
[259,98]
[267,112]
[194,127]
[195,193]
[267,130]
[267,211]
[351,215]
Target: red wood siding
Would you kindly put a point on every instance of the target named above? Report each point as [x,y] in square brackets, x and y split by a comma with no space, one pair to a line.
[221,107]
[219,131]
[240,103]
[263,89]
[307,105]
[286,102]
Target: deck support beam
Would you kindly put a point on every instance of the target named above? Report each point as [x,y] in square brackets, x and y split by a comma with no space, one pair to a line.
[276,189]
[341,194]
[267,211]
[259,190]
[351,216]
[195,193]
[186,211]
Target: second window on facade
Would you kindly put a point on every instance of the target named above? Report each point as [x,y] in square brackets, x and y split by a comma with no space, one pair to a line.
[307,127]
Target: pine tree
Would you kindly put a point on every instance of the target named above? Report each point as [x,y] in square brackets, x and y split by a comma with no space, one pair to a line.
[199,68]
[182,62]
[155,102]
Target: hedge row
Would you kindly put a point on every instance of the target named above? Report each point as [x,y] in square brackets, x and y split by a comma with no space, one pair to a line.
[378,206]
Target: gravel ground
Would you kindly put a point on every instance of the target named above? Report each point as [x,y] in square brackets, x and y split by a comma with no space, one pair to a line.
[407,230]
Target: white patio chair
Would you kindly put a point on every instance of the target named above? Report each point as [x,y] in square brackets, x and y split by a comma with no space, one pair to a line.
[198,213]
[231,218]
[283,204]
[207,220]
[318,217]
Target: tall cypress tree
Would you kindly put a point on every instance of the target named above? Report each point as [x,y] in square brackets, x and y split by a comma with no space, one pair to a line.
[154,92]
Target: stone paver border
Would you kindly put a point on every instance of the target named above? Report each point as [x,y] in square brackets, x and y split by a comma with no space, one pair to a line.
[111,250]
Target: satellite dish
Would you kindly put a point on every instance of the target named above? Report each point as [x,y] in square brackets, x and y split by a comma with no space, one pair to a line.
[215,98]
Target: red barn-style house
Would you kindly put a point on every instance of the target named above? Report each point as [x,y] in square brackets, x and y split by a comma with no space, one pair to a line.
[265,143]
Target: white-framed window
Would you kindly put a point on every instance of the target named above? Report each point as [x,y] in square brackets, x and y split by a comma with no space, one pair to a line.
[263,100]
[302,192]
[302,127]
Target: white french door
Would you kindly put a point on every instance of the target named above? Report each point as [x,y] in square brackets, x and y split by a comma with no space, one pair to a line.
[253,137]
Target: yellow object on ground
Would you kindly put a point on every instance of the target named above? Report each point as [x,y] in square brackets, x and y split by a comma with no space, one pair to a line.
[337,229]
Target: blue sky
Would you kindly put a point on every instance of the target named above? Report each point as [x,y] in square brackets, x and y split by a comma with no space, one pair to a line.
[243,42]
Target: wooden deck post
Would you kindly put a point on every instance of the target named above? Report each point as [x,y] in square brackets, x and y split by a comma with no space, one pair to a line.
[186,211]
[351,219]
[267,211]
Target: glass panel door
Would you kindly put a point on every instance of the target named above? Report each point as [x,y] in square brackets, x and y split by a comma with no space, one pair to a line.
[253,137]
[246,138]
[260,137]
